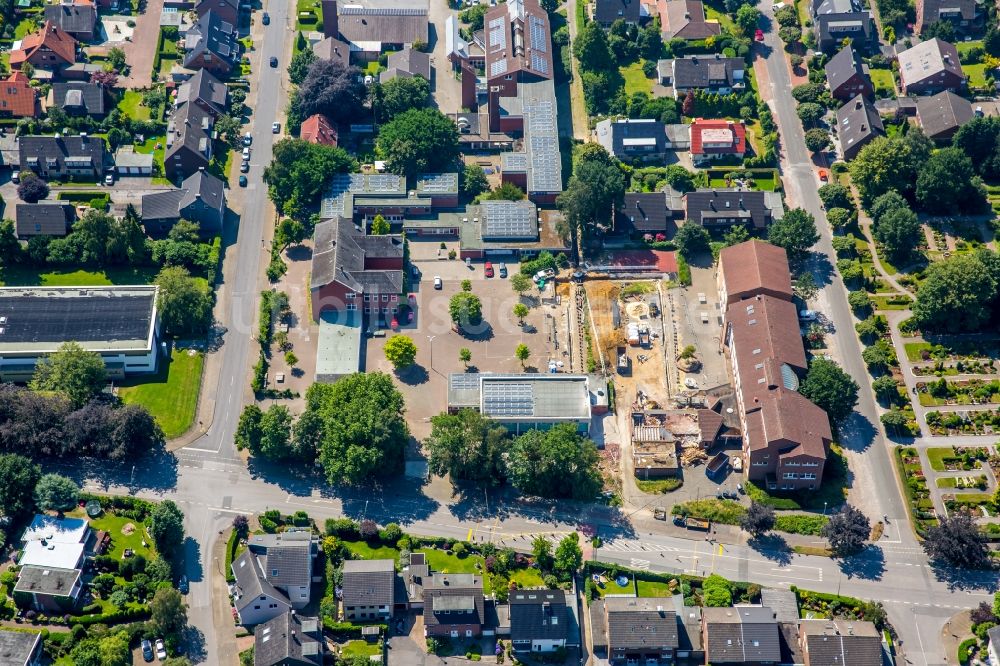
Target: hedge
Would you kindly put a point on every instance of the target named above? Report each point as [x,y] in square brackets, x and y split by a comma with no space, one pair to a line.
[348,630]
[231,546]
[84,197]
[964,648]
[138,509]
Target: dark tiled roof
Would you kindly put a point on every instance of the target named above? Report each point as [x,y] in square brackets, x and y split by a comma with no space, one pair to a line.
[18,647]
[77,96]
[72,18]
[936,10]
[857,123]
[289,565]
[47,580]
[841,643]
[705,205]
[699,71]
[388,22]
[211,34]
[408,62]
[332,48]
[651,211]
[369,582]
[59,148]
[189,129]
[741,635]
[634,623]
[538,615]
[841,67]
[288,640]
[943,114]
[685,19]
[339,256]
[170,204]
[43,219]
[609,11]
[618,136]
[459,594]
[203,87]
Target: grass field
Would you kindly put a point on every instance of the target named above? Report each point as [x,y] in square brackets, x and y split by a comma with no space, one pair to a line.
[913,349]
[361,648]
[26,25]
[149,146]
[635,79]
[650,589]
[441,561]
[527,578]
[611,587]
[882,80]
[363,551]
[171,395]
[28,277]
[131,105]
[119,542]
[937,454]
[976,74]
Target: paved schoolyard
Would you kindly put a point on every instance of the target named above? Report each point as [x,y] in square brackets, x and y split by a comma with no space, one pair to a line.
[425,386]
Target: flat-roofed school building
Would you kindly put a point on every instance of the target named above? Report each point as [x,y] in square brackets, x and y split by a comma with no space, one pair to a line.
[121,323]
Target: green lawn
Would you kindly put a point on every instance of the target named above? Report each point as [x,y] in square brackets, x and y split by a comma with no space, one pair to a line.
[713,14]
[937,454]
[439,560]
[659,485]
[29,277]
[527,578]
[171,395]
[946,482]
[976,74]
[166,64]
[635,79]
[363,551]
[149,146]
[131,105]
[113,524]
[611,587]
[363,648]
[913,349]
[650,589]
[882,80]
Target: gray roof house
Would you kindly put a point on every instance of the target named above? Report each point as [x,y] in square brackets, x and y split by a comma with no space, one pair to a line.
[78,98]
[835,20]
[201,198]
[205,90]
[930,67]
[652,212]
[840,643]
[964,15]
[408,63]
[129,162]
[724,208]
[42,219]
[332,48]
[370,26]
[62,157]
[289,639]
[685,19]
[847,76]
[699,72]
[540,620]
[212,44]
[188,142]
[941,115]
[740,635]
[454,602]
[76,19]
[256,600]
[633,139]
[629,630]
[20,648]
[858,122]
[607,12]
[369,589]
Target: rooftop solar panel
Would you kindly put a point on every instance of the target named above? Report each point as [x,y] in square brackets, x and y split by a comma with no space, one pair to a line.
[498,67]
[539,36]
[508,399]
[84,315]
[438,183]
[539,63]
[509,220]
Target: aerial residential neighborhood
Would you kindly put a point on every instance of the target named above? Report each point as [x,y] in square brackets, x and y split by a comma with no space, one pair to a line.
[605,332]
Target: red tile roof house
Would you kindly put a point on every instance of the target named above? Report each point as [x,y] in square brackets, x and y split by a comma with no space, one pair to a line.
[17,98]
[786,438]
[318,129]
[714,139]
[50,49]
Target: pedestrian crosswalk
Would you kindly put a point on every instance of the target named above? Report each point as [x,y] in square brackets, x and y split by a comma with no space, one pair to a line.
[636,546]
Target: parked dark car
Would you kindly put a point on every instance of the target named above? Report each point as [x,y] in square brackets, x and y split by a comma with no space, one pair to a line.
[266,19]
[243,181]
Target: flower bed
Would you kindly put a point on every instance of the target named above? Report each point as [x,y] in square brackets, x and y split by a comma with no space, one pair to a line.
[967,392]
[972,422]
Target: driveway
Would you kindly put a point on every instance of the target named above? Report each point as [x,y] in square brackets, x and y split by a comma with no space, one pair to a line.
[141,51]
[446,89]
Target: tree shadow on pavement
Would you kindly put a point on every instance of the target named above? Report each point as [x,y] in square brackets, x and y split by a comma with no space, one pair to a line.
[193,642]
[869,564]
[772,547]
[413,375]
[985,580]
[857,433]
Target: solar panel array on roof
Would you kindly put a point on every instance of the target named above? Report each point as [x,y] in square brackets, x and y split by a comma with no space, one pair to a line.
[498,67]
[348,10]
[539,63]
[538,33]
[509,220]
[383,183]
[464,381]
[498,34]
[508,399]
[439,183]
[84,315]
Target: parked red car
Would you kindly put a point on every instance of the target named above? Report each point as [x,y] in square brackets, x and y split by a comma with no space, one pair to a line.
[489,269]
[759,35]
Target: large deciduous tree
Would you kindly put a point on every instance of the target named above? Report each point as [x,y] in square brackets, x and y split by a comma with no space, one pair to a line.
[692,239]
[55,492]
[796,232]
[568,556]
[465,309]
[399,95]
[557,463]
[168,611]
[947,183]
[73,371]
[333,89]
[898,232]
[400,351]
[166,526]
[417,141]
[959,294]
[887,164]
[299,171]
[957,541]
[832,389]
[758,519]
[467,446]
[18,478]
[847,531]
[363,433]
[596,188]
[184,302]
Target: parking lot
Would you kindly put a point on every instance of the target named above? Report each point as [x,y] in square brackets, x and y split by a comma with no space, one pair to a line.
[425,386]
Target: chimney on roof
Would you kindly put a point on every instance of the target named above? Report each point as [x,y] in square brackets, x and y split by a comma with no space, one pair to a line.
[864,128]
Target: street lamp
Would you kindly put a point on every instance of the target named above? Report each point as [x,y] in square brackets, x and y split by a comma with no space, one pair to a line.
[824,508]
